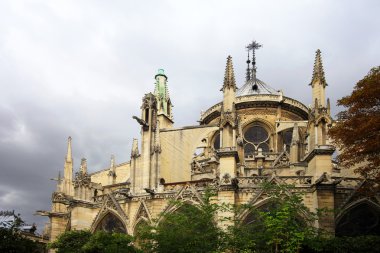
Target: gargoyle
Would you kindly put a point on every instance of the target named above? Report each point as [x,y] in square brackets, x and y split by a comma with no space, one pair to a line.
[140,121]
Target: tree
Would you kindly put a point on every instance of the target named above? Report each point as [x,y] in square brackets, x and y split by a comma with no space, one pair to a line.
[357,131]
[71,241]
[12,240]
[282,225]
[103,242]
[82,241]
[189,229]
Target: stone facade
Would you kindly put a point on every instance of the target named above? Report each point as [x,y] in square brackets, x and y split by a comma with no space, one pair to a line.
[255,134]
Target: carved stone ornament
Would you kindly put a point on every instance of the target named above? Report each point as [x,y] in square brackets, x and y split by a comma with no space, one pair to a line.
[82,179]
[226,179]
[60,197]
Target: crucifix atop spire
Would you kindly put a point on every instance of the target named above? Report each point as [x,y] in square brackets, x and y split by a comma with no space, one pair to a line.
[253,46]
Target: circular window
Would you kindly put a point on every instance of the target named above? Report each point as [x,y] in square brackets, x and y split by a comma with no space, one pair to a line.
[255,137]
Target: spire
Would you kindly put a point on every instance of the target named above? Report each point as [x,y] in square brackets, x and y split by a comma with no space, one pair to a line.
[69,152]
[253,46]
[59,180]
[318,73]
[229,76]
[83,166]
[161,93]
[67,186]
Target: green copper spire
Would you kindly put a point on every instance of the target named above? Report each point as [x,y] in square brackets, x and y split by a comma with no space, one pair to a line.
[161,92]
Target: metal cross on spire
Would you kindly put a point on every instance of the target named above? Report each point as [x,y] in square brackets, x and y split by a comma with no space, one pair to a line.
[253,46]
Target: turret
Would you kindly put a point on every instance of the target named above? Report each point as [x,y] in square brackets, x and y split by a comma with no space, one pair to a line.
[319,118]
[229,86]
[156,113]
[228,124]
[228,155]
[164,105]
[319,156]
[228,115]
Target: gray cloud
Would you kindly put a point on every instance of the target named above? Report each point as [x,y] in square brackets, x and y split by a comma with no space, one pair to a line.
[80,68]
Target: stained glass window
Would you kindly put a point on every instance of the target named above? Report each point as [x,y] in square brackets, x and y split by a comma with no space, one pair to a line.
[110,223]
[255,137]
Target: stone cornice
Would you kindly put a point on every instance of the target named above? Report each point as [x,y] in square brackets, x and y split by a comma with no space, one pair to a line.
[228,152]
[320,150]
[258,101]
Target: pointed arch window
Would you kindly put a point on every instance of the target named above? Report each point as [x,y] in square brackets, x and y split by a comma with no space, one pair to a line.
[362,219]
[255,136]
[111,223]
[216,142]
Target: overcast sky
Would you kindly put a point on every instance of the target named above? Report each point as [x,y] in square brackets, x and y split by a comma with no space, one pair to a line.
[80,69]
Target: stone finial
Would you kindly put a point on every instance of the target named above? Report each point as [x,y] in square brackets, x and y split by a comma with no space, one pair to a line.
[83,166]
[135,149]
[328,106]
[229,76]
[59,179]
[69,157]
[318,73]
[112,164]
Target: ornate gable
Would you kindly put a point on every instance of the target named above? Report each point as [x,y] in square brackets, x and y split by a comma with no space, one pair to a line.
[143,212]
[110,204]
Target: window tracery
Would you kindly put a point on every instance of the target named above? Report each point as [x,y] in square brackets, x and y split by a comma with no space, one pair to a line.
[110,223]
[256,136]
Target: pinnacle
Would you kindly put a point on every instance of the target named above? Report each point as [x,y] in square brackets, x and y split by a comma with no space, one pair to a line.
[69,152]
[229,76]
[318,73]
[135,148]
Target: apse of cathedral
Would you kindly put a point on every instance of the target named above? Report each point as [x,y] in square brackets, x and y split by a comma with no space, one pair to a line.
[255,134]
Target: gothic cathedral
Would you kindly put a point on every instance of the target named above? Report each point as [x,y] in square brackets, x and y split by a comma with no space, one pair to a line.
[255,134]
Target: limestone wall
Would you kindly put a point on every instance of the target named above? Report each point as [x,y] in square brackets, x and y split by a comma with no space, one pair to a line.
[178,147]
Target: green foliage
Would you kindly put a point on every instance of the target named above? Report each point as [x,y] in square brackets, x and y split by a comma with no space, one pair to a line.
[359,244]
[71,241]
[82,241]
[12,240]
[361,119]
[188,229]
[103,242]
[281,225]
